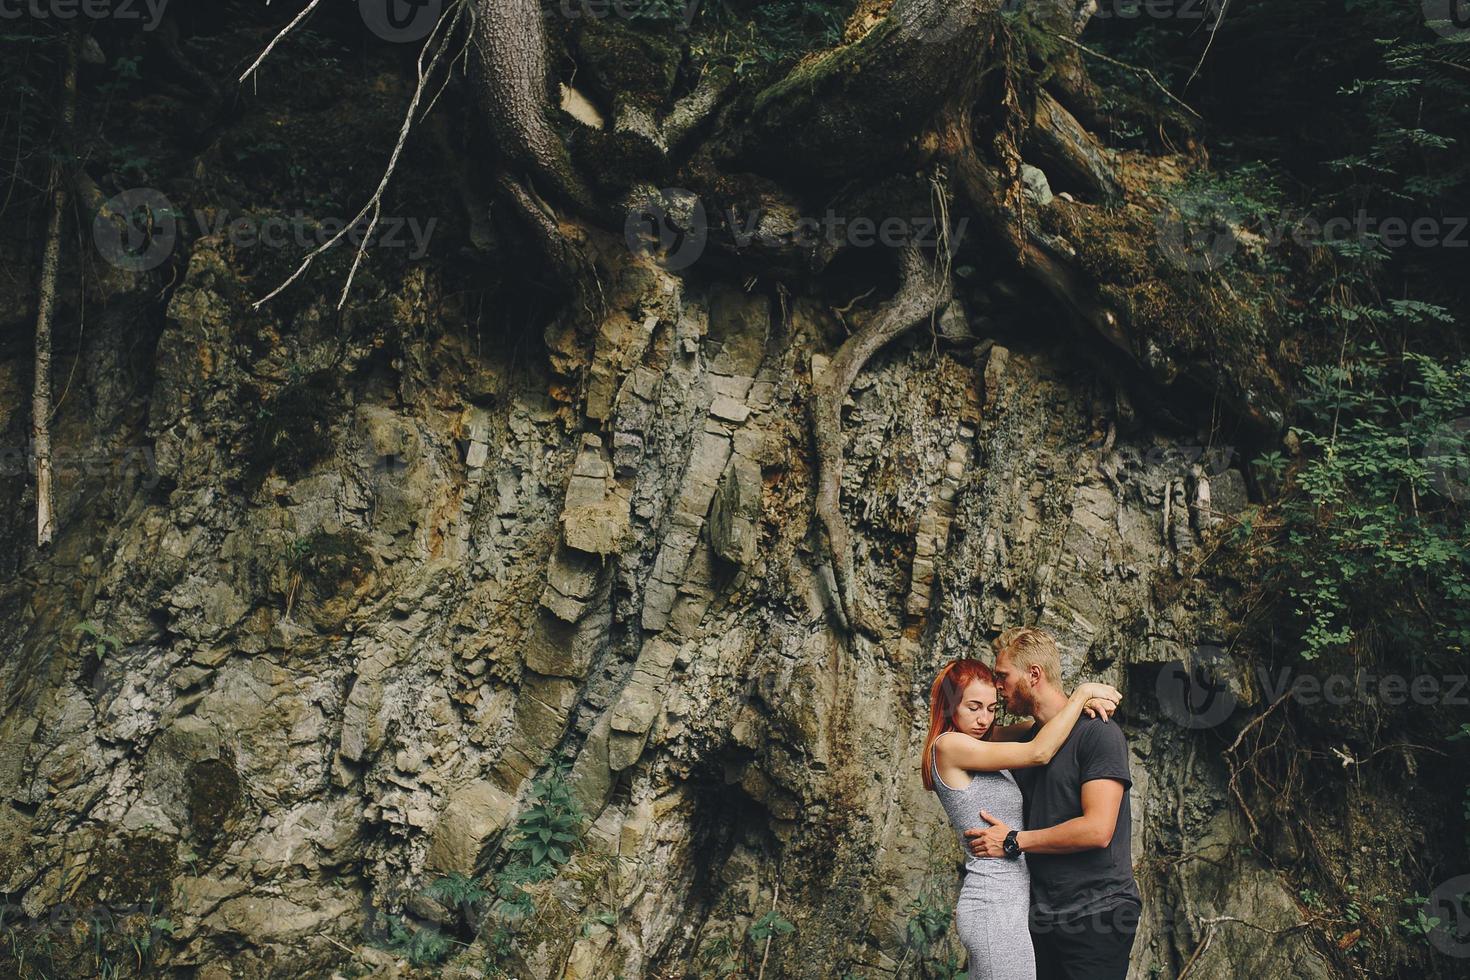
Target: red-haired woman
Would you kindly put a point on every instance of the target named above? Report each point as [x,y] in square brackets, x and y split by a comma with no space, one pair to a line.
[968,772]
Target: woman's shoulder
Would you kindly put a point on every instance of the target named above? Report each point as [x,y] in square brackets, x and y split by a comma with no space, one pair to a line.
[939,739]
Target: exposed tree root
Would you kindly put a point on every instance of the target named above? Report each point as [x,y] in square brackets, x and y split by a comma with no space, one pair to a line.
[921,291]
[557,248]
[1068,151]
[844,114]
[509,41]
[935,82]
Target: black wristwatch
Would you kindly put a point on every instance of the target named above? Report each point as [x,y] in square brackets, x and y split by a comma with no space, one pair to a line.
[1012,849]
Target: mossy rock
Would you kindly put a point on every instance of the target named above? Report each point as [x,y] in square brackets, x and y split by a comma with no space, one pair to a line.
[335,567]
[129,870]
[214,798]
[616,161]
[335,561]
[629,62]
[292,429]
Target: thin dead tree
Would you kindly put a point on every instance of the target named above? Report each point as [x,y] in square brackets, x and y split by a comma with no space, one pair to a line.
[46,305]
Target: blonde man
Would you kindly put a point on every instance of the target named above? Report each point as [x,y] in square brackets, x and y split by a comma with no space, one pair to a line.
[1084,901]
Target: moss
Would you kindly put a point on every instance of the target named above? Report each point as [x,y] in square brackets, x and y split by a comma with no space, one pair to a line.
[292,430]
[327,571]
[335,562]
[615,161]
[130,869]
[627,62]
[1182,325]
[214,797]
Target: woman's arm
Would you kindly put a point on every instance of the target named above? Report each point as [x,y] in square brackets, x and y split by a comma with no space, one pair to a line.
[974,755]
[1010,733]
[1094,707]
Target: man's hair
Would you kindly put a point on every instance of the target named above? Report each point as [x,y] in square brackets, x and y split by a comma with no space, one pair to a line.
[1030,647]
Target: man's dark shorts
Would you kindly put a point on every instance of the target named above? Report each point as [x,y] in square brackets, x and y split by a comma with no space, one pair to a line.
[1094,947]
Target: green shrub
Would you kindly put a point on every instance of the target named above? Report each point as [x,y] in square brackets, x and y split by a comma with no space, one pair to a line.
[1373,536]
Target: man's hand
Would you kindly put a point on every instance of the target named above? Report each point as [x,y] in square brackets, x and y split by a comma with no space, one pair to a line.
[988,841]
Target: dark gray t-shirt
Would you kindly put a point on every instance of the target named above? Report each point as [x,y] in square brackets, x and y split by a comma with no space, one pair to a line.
[1068,886]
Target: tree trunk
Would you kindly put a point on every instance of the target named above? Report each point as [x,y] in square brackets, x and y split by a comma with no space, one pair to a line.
[509,43]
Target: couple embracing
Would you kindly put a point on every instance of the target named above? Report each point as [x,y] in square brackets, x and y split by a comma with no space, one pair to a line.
[1042,808]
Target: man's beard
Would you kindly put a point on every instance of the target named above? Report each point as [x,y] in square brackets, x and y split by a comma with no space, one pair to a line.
[1018,704]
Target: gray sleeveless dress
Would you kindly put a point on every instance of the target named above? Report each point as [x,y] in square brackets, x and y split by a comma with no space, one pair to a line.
[993,911]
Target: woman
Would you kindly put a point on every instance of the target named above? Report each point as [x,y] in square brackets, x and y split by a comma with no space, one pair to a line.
[968,772]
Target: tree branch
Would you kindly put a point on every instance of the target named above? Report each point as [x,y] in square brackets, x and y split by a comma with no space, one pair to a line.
[373,209]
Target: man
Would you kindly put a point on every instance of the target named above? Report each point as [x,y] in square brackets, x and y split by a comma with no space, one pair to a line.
[1084,902]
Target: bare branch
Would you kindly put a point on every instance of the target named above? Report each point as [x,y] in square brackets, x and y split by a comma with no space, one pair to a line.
[1210,43]
[1133,68]
[285,32]
[373,209]
[41,409]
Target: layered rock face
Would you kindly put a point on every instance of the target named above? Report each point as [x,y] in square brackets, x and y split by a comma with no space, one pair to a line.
[385,572]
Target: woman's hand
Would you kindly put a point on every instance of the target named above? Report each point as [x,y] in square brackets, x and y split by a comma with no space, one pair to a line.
[1098,700]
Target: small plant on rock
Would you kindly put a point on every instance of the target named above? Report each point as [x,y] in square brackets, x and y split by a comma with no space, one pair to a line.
[540,843]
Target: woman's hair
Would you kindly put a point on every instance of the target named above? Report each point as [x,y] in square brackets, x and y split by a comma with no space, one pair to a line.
[946,694]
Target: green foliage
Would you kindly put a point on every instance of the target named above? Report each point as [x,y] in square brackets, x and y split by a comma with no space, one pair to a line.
[1416,923]
[100,641]
[1247,193]
[292,429]
[923,939]
[661,10]
[425,945]
[457,891]
[770,925]
[723,953]
[540,843]
[604,918]
[928,922]
[1374,536]
[420,945]
[546,830]
[1413,104]
[750,35]
[102,942]
[718,958]
[1214,208]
